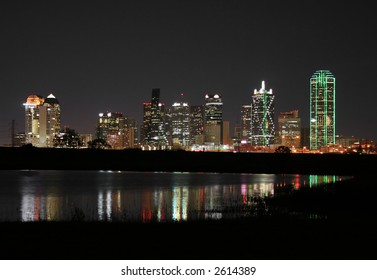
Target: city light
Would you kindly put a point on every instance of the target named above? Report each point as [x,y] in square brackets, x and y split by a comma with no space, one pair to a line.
[185,126]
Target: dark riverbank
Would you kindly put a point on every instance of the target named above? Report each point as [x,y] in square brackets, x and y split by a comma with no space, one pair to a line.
[334,221]
[265,238]
[181,161]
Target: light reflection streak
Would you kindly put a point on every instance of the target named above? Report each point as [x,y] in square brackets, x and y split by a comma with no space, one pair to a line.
[100,206]
[108,205]
[27,208]
[177,204]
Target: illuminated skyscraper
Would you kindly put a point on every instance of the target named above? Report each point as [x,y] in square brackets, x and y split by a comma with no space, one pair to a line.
[49,121]
[246,124]
[197,124]
[42,120]
[117,130]
[146,122]
[168,124]
[32,105]
[213,119]
[322,109]
[226,133]
[111,128]
[289,129]
[155,135]
[131,133]
[262,117]
[180,124]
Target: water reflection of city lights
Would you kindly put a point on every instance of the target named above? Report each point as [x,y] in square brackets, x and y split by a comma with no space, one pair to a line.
[180,198]
[108,205]
[100,206]
[180,202]
[27,208]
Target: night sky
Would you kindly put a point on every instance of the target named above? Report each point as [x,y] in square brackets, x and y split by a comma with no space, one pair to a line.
[98,56]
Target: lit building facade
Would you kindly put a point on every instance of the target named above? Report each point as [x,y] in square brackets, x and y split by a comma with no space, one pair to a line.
[322,109]
[197,124]
[32,105]
[49,121]
[131,133]
[155,128]
[213,119]
[42,120]
[111,128]
[226,133]
[180,124]
[19,140]
[118,131]
[262,117]
[345,141]
[237,134]
[85,139]
[245,124]
[146,122]
[168,124]
[289,129]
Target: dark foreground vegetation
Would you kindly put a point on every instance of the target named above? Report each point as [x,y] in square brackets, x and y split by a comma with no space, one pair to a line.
[137,160]
[334,221]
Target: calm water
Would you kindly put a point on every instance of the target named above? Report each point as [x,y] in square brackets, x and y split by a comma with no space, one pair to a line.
[112,196]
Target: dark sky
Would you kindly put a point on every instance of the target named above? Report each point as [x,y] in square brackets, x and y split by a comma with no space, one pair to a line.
[98,56]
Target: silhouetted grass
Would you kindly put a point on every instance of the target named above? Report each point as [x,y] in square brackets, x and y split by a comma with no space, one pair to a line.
[349,198]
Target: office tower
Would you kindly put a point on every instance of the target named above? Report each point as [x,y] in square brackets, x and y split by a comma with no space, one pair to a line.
[146,122]
[42,120]
[226,133]
[32,105]
[213,119]
[289,129]
[131,133]
[111,128]
[49,121]
[322,109]
[245,124]
[262,117]
[197,124]
[305,138]
[155,135]
[237,134]
[168,125]
[180,124]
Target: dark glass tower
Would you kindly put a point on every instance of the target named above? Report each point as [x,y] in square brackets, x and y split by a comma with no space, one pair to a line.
[196,124]
[156,136]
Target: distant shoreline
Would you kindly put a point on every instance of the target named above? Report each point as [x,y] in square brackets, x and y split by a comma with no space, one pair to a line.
[182,161]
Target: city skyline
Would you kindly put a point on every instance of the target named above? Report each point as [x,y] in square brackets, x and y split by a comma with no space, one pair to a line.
[109,56]
[262,125]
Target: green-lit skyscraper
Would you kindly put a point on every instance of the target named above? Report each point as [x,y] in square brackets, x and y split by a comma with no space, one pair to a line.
[322,109]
